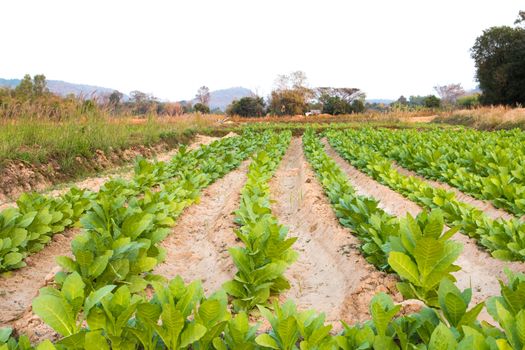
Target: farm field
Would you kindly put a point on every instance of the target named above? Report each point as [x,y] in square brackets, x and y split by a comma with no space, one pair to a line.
[279,236]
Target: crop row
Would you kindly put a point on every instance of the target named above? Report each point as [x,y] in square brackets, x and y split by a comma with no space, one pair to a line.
[27,228]
[180,316]
[267,252]
[489,166]
[505,239]
[119,243]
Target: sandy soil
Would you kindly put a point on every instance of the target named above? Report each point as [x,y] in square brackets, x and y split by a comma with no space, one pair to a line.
[198,246]
[331,275]
[486,206]
[479,269]
[18,288]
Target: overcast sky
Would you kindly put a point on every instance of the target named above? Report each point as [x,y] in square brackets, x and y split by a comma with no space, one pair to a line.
[170,48]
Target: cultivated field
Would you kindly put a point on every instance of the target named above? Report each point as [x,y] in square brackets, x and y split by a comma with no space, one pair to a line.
[279,236]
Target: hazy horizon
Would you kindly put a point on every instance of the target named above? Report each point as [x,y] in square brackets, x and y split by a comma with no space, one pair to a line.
[386,49]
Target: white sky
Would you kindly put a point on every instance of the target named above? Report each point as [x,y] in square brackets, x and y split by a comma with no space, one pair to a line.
[170,48]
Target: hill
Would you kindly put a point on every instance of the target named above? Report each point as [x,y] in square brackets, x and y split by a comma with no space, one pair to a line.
[64,88]
[222,98]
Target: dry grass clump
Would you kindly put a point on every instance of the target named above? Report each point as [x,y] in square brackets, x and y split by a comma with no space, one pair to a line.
[486,118]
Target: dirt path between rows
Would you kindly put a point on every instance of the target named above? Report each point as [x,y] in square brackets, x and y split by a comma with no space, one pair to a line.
[94,183]
[198,246]
[485,206]
[479,270]
[331,275]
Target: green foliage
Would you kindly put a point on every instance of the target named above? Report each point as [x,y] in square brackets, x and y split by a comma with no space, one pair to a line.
[201,108]
[432,101]
[499,54]
[423,256]
[267,252]
[505,239]
[288,102]
[247,107]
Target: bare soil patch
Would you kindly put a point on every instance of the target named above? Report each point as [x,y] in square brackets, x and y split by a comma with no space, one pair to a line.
[331,275]
[479,270]
[198,246]
[18,288]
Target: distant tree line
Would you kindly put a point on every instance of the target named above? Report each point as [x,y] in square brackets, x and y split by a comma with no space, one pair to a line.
[292,96]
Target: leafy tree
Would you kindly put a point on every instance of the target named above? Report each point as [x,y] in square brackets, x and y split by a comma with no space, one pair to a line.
[291,95]
[431,101]
[402,100]
[468,101]
[201,108]
[287,102]
[335,105]
[203,96]
[143,102]
[416,100]
[115,97]
[499,55]
[24,90]
[39,85]
[247,107]
[358,106]
[340,100]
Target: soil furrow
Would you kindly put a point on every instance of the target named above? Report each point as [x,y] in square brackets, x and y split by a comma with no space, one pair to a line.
[479,270]
[198,246]
[330,274]
[485,206]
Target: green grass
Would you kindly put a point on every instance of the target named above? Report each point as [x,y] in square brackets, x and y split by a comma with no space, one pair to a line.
[35,141]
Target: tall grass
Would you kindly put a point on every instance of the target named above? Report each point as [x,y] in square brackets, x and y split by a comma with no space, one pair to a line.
[36,140]
[486,118]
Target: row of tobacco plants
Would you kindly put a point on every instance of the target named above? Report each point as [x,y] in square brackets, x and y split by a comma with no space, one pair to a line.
[486,165]
[180,316]
[505,239]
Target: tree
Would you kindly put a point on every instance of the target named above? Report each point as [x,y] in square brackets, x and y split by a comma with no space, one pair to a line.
[203,95]
[247,107]
[291,94]
[115,97]
[144,103]
[201,108]
[432,101]
[499,56]
[24,90]
[449,93]
[39,85]
[402,100]
[521,18]
[469,101]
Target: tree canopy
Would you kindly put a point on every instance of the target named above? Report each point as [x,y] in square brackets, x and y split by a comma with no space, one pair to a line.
[499,55]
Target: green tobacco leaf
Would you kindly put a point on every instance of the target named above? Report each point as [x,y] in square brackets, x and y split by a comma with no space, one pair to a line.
[404,266]
[192,333]
[442,339]
[56,312]
[267,341]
